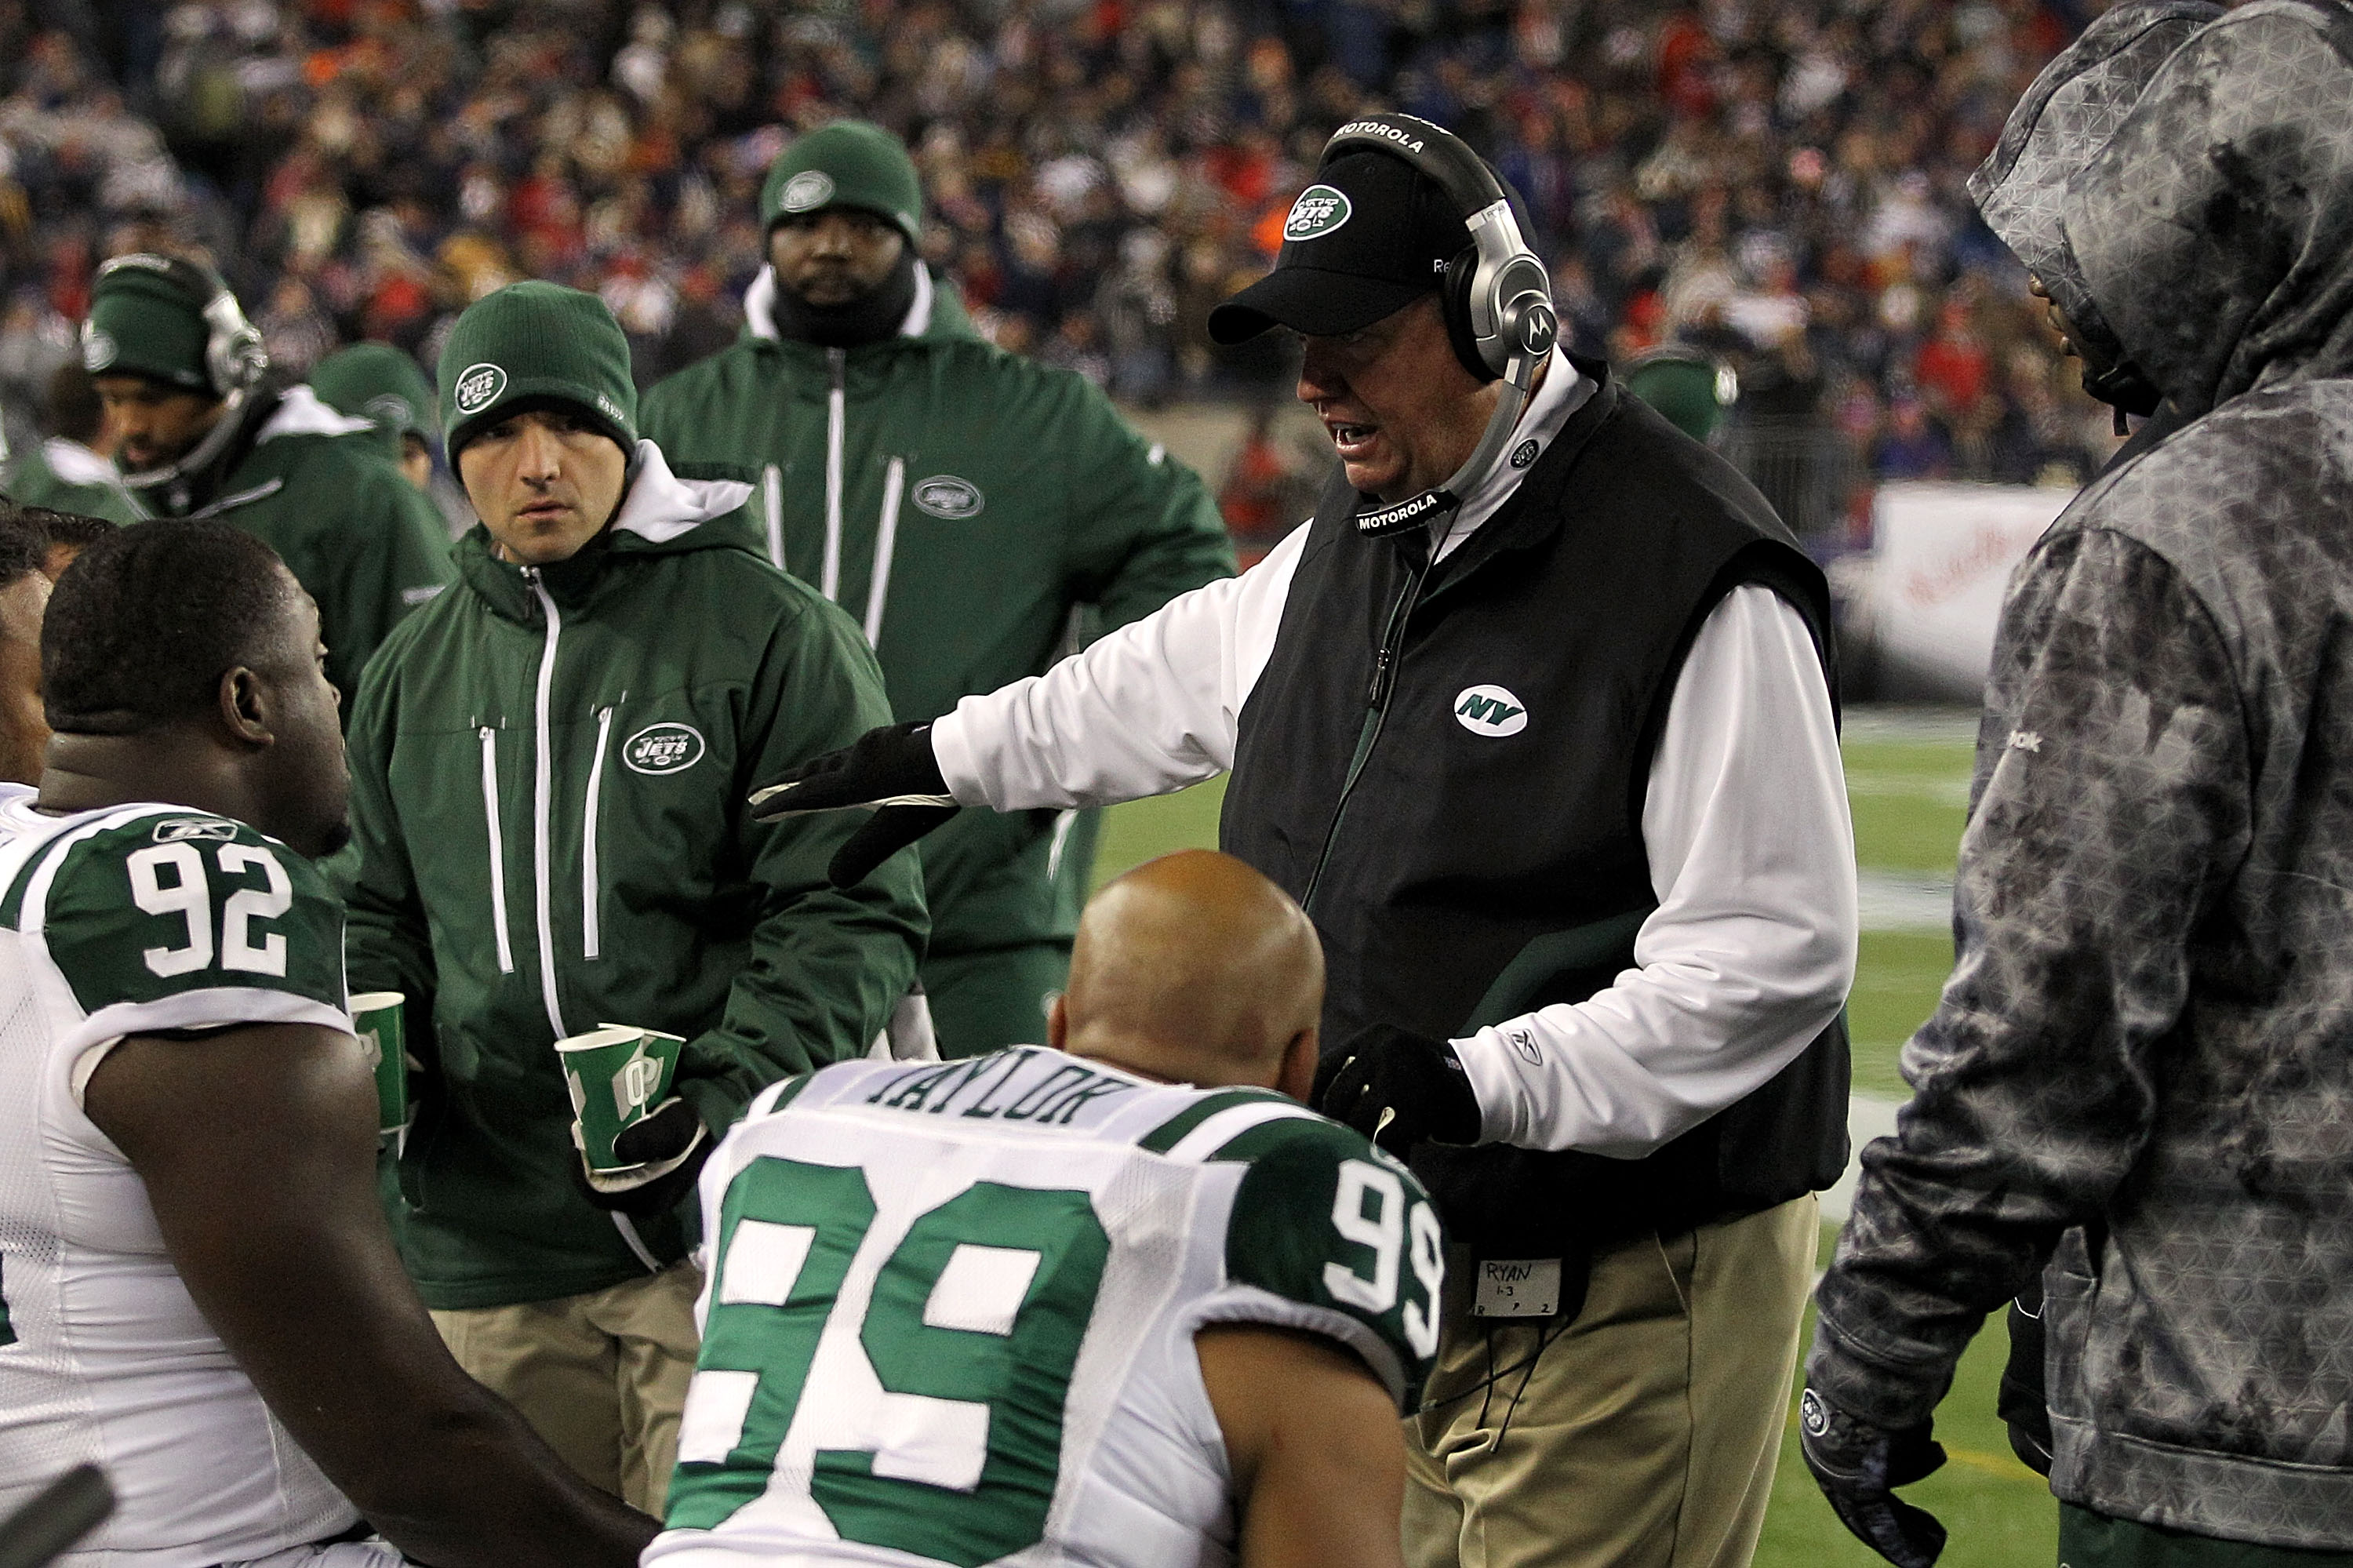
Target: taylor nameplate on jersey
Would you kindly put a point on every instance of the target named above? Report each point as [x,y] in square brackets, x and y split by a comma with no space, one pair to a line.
[1517,1288]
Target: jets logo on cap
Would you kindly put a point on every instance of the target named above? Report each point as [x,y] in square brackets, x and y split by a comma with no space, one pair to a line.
[479,387]
[97,350]
[1319,210]
[390,409]
[808,190]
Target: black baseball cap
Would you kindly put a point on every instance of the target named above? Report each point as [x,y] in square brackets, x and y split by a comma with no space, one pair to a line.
[1369,237]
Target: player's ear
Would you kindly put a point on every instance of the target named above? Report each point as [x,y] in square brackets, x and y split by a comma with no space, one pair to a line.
[1058,1022]
[1296,1077]
[243,705]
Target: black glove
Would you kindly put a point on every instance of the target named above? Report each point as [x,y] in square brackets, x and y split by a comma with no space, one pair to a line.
[667,1147]
[1398,1088]
[892,769]
[1857,1465]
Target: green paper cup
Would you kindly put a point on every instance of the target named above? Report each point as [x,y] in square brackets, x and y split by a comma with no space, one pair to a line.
[375,1019]
[618,1073]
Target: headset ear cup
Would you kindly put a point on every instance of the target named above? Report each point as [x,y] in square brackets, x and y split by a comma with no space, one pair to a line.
[1454,300]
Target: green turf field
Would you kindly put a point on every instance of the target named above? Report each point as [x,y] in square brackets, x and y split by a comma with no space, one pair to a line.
[1907,776]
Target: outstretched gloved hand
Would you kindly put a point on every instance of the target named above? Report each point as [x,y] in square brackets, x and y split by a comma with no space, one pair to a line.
[1858,1464]
[1398,1088]
[891,770]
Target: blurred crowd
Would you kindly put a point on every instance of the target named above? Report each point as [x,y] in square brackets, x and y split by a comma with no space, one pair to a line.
[1778,185]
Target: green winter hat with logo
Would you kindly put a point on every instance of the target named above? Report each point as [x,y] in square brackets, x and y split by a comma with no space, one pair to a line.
[144,322]
[535,345]
[377,381]
[850,162]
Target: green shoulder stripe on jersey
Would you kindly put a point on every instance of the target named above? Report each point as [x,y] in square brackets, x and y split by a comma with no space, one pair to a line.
[1164,1137]
[1323,1220]
[182,901]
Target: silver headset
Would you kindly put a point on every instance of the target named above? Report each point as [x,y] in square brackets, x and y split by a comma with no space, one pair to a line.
[1496,295]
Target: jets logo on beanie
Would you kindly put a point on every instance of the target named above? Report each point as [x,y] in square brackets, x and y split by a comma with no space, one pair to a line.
[536,345]
[847,163]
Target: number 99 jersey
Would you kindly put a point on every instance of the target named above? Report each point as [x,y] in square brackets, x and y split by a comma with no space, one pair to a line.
[950,1310]
[138,920]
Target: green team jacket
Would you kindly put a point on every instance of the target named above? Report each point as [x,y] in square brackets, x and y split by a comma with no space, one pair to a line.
[315,486]
[959,501]
[67,476]
[548,780]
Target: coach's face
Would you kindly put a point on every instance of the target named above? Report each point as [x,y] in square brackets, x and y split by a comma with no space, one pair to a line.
[1400,410]
[834,256]
[152,423]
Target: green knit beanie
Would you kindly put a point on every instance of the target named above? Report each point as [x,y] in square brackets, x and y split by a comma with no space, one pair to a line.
[1691,389]
[144,322]
[536,344]
[377,381]
[848,164]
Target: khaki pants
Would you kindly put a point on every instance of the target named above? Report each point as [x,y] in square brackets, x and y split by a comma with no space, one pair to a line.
[1643,1435]
[602,1377]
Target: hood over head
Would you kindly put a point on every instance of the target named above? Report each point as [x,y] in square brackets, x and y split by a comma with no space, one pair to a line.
[2215,229]
[2074,106]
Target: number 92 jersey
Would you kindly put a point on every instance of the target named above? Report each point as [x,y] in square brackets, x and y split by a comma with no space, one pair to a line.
[950,1310]
[133,920]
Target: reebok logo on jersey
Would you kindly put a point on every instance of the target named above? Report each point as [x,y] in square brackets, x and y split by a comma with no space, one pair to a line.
[479,387]
[180,830]
[1319,210]
[808,191]
[943,495]
[1490,710]
[663,748]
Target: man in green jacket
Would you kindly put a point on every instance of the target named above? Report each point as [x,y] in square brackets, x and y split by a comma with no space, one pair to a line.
[381,384]
[961,503]
[549,765]
[203,435]
[68,473]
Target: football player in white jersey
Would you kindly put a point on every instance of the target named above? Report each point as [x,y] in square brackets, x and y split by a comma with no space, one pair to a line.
[198,1290]
[1112,1301]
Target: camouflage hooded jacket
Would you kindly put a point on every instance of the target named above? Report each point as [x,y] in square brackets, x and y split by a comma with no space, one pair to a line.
[2147,1044]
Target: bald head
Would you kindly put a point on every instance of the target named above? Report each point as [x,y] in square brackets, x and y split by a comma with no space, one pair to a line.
[1195,968]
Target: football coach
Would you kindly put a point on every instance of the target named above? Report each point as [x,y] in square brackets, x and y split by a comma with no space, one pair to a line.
[1535,718]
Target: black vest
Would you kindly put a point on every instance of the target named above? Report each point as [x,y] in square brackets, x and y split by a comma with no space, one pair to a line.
[1447,768]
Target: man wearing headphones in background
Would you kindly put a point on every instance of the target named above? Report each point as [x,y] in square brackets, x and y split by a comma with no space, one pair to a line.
[202,433]
[1535,719]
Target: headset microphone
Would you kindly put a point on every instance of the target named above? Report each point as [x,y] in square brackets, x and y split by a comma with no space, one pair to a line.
[1497,297]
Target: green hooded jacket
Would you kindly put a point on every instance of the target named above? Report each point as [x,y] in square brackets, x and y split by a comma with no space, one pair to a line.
[960,502]
[67,476]
[549,771]
[313,485]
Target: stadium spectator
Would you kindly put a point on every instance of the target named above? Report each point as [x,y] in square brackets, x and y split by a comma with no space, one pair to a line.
[399,161]
[548,765]
[73,469]
[2133,1070]
[184,380]
[961,501]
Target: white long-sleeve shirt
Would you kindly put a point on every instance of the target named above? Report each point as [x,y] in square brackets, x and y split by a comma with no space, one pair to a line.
[1751,950]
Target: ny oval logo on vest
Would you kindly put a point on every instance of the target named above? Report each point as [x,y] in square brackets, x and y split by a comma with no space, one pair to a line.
[663,748]
[1319,210]
[943,495]
[479,387]
[1490,710]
